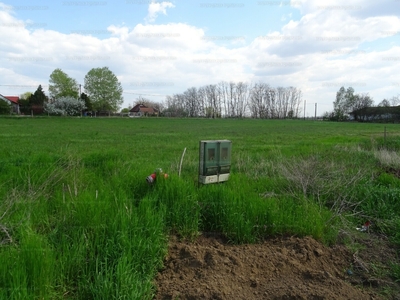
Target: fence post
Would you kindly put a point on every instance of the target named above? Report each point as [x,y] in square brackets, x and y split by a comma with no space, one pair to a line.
[384,138]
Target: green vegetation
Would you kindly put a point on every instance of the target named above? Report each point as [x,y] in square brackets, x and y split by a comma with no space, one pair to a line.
[103,89]
[79,221]
[61,85]
[5,108]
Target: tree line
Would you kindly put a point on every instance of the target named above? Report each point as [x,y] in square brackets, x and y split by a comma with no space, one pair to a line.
[103,92]
[360,107]
[236,100]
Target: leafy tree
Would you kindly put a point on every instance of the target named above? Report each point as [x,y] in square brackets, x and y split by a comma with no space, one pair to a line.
[329,116]
[363,100]
[25,96]
[125,110]
[5,108]
[87,101]
[360,102]
[61,85]
[65,106]
[339,106]
[24,105]
[348,102]
[104,89]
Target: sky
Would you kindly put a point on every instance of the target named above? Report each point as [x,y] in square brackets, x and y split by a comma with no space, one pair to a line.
[160,48]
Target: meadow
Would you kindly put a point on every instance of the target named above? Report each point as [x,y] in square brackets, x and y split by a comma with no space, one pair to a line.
[79,221]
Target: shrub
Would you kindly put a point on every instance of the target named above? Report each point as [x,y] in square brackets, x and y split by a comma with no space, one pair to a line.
[4,108]
[65,106]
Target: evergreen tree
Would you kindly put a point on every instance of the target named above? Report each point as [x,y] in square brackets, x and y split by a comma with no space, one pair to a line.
[87,101]
[38,97]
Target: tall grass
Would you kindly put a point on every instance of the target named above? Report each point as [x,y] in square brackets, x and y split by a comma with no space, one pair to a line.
[82,238]
[244,217]
[27,270]
[181,203]
[79,221]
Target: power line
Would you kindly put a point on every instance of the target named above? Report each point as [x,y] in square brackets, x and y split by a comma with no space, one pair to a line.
[29,86]
[145,94]
[18,85]
[26,85]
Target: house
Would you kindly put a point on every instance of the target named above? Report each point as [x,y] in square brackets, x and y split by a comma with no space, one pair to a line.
[13,101]
[140,110]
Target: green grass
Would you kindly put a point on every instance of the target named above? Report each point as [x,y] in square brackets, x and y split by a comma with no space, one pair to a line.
[79,221]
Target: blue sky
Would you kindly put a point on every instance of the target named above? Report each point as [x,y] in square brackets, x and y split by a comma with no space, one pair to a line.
[159,48]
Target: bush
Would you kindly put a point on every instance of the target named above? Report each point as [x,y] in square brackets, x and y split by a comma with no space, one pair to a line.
[65,106]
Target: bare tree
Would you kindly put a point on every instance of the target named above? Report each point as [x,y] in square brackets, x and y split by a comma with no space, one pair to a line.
[258,100]
[384,103]
[201,96]
[232,98]
[223,94]
[272,103]
[212,107]
[175,105]
[191,102]
[243,94]
[240,99]
[280,91]
[294,102]
[395,100]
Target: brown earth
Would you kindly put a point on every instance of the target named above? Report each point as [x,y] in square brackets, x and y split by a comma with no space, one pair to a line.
[279,268]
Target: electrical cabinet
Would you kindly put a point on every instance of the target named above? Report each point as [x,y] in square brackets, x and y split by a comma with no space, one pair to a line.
[214,161]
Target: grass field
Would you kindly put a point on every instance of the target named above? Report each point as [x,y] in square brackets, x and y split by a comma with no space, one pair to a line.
[79,221]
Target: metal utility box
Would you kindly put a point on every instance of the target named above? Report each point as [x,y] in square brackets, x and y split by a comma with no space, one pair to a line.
[214,161]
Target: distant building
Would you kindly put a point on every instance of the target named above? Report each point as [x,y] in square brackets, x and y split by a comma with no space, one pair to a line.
[13,101]
[377,114]
[140,110]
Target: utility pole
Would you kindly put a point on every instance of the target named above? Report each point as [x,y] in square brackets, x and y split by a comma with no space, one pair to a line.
[315,117]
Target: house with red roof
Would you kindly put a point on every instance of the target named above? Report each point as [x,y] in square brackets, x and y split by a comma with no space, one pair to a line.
[13,101]
[140,110]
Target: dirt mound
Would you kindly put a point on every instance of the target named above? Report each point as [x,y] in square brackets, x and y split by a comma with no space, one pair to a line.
[285,268]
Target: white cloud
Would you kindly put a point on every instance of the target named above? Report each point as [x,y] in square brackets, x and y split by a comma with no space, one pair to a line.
[169,58]
[357,8]
[322,32]
[156,8]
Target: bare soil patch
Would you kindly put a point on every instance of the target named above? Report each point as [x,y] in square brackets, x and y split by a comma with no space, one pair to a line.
[279,268]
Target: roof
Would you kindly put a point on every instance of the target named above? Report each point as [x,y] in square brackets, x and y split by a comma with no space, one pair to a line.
[137,107]
[142,108]
[146,109]
[13,99]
